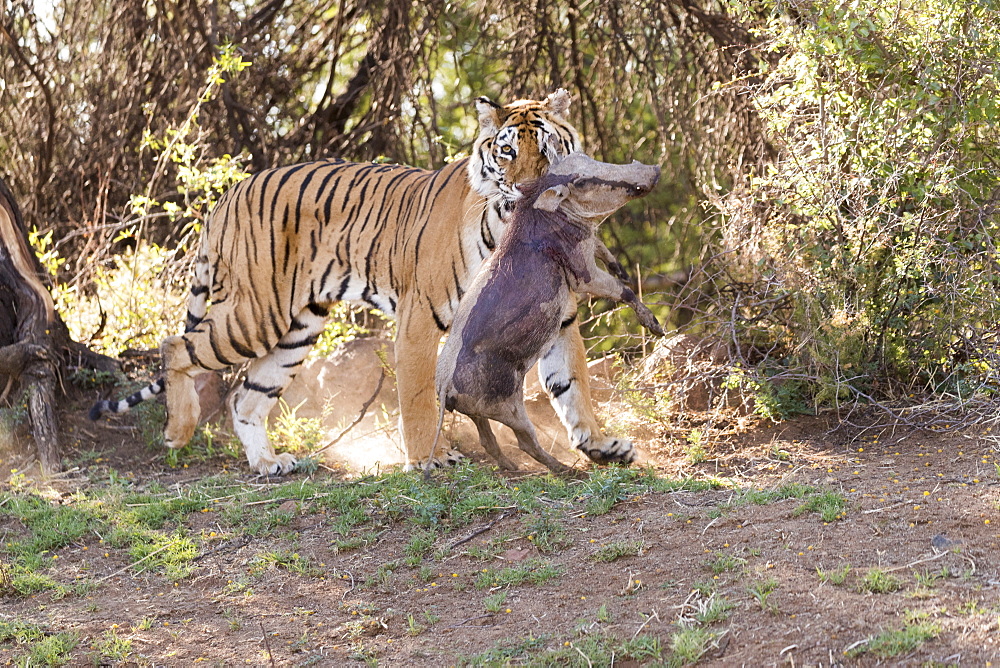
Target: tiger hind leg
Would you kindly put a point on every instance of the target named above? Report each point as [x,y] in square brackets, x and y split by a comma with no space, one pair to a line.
[178,366]
[183,408]
[179,369]
[266,378]
[563,373]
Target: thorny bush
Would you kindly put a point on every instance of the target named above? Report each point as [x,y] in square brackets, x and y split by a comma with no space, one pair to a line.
[862,264]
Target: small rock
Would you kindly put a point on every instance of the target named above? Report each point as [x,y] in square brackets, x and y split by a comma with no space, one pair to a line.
[941,542]
[517,555]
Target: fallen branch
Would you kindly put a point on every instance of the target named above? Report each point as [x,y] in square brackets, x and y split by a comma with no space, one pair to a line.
[148,556]
[479,531]
[918,561]
[361,415]
[884,508]
[470,619]
[267,643]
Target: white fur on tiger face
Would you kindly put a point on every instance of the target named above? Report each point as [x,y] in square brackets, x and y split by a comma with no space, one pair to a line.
[522,128]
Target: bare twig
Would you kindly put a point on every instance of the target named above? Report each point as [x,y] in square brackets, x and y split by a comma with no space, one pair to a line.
[361,414]
[652,615]
[481,530]
[133,565]
[918,561]
[469,619]
[585,657]
[267,643]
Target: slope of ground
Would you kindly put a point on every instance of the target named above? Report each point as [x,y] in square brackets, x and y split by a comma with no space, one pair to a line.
[799,544]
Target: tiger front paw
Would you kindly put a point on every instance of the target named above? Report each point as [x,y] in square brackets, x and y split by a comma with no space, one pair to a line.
[449,458]
[269,465]
[608,450]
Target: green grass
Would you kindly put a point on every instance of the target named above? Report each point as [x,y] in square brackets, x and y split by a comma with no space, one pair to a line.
[151,417]
[20,632]
[689,644]
[695,450]
[892,643]
[50,526]
[495,602]
[171,554]
[349,520]
[877,581]
[835,577]
[761,591]
[605,488]
[420,545]
[478,502]
[829,505]
[53,650]
[111,647]
[415,626]
[547,533]
[144,624]
[594,650]
[33,646]
[762,497]
[146,527]
[602,650]
[26,583]
[383,575]
[286,559]
[299,435]
[534,571]
[928,579]
[506,651]
[618,549]
[704,588]
[715,609]
[723,563]
[363,539]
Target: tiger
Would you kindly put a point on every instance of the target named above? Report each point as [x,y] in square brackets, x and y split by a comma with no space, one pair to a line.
[281,247]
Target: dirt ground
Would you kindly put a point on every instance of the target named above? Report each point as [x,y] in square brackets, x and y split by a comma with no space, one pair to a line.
[921,506]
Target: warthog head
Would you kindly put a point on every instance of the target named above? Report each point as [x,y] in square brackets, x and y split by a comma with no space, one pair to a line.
[590,190]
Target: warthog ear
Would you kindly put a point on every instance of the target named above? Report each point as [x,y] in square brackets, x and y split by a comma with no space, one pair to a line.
[550,199]
[558,102]
[489,119]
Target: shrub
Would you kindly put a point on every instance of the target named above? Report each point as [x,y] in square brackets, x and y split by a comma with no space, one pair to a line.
[868,248]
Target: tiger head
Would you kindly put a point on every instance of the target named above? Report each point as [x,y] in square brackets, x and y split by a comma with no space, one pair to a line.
[517,142]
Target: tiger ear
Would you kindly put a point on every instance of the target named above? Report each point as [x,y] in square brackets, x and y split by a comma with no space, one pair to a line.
[489,117]
[550,199]
[558,102]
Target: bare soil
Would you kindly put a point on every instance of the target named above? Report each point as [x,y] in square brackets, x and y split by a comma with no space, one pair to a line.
[922,506]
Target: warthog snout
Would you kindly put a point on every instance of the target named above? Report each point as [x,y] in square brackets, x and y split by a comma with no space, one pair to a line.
[596,189]
[650,176]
